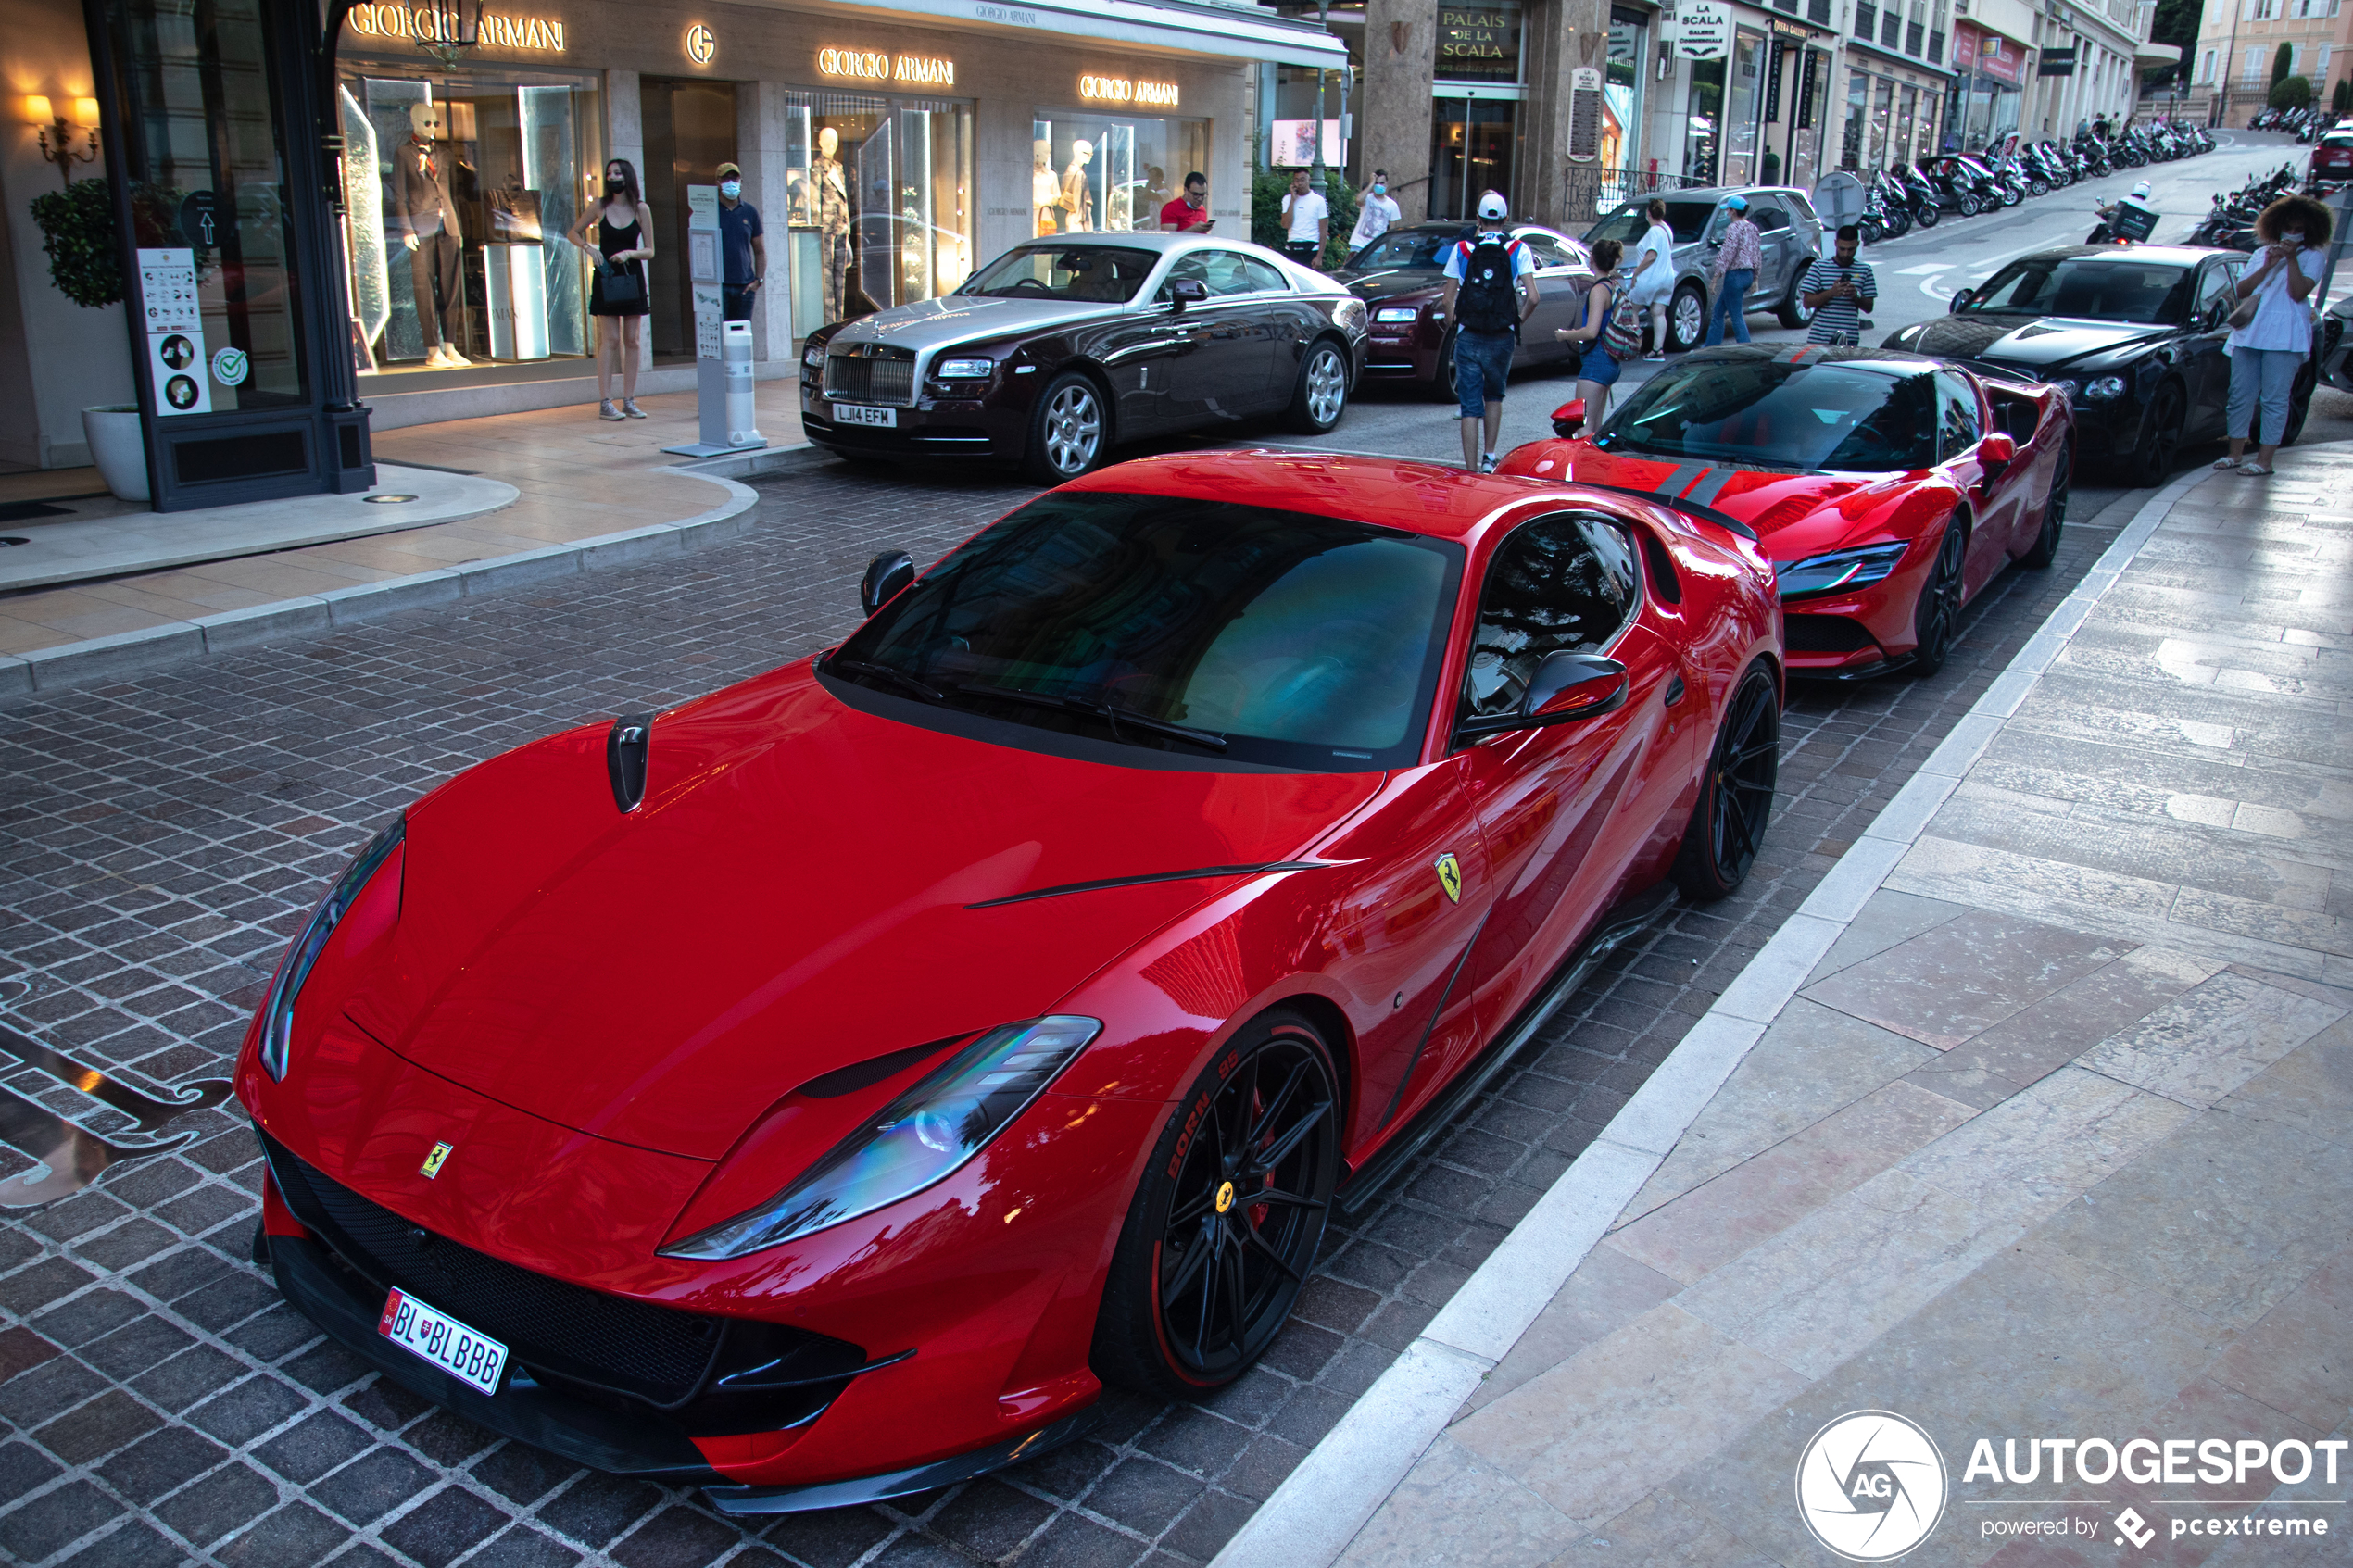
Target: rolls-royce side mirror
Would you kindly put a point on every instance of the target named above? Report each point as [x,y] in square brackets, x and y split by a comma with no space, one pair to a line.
[890,572]
[1962,301]
[1187,290]
[1569,417]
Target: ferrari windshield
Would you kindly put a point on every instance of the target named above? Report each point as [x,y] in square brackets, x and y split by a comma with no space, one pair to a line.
[1203,629]
[1851,415]
[2090,288]
[1085,274]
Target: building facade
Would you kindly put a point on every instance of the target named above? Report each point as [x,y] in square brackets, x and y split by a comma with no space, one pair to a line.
[2238,42]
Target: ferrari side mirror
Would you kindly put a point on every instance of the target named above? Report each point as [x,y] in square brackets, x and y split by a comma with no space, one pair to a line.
[1569,417]
[1997,446]
[1574,685]
[890,572]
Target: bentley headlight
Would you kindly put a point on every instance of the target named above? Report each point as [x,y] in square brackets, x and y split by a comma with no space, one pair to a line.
[919,1138]
[1394,313]
[965,370]
[2068,389]
[1829,573]
[278,1006]
[2104,389]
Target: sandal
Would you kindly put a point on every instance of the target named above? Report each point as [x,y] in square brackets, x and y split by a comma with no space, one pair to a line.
[2221,464]
[2254,469]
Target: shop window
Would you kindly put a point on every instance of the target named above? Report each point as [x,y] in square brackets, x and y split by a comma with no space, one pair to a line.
[486,169]
[1742,108]
[1906,104]
[1092,172]
[879,210]
[202,157]
[1622,84]
[1471,142]
[1850,155]
[1706,126]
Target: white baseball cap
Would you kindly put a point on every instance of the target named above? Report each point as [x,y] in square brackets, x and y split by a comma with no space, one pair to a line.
[1492,205]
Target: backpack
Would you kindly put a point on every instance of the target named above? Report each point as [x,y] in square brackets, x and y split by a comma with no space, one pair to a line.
[1488,300]
[1624,336]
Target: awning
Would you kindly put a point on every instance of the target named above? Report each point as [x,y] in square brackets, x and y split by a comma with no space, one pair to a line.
[2149,53]
[1197,27]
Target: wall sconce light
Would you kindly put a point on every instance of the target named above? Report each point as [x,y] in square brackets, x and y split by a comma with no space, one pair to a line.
[56,137]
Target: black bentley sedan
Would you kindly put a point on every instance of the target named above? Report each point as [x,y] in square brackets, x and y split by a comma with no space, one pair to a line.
[2137,335]
[1063,347]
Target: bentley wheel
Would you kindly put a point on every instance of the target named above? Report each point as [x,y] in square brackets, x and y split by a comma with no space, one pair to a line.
[1321,396]
[2152,461]
[1227,1222]
[1939,614]
[2047,542]
[1069,433]
[1686,320]
[1736,794]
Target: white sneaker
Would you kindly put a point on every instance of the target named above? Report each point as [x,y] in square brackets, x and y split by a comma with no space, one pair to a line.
[454,359]
[1487,463]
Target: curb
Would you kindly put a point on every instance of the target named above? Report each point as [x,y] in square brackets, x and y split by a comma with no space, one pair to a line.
[1319,1508]
[174,641]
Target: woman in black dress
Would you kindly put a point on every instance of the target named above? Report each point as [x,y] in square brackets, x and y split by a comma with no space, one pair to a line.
[625,241]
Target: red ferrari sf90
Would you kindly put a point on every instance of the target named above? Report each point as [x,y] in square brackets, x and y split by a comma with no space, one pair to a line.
[1888,489]
[819,1090]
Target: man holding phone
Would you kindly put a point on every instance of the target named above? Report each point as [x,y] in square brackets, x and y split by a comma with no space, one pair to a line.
[1188,214]
[1839,291]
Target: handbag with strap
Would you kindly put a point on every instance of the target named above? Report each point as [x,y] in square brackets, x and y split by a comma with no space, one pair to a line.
[621,285]
[2245,315]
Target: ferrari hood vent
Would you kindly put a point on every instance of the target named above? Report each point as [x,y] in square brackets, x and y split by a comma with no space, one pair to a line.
[626,748]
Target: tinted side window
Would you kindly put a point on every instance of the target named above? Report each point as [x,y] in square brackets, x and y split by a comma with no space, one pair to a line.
[1545,250]
[1769,220]
[1956,421]
[1803,208]
[1262,277]
[1557,583]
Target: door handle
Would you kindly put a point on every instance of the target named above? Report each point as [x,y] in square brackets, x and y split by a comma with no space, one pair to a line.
[1674,692]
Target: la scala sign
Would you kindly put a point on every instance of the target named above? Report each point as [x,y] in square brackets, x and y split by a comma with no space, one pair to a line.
[1703,29]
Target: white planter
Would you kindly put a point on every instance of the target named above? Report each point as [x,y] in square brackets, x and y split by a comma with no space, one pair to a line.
[118,448]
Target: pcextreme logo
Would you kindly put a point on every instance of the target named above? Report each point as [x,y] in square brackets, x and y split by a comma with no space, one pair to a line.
[1870,1486]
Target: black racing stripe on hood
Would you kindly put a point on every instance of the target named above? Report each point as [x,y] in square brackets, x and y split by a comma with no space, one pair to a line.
[1257,870]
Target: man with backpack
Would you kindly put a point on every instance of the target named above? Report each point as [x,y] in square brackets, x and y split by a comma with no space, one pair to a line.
[1490,290]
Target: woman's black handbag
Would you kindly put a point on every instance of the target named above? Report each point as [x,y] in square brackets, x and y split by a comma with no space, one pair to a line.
[622,286]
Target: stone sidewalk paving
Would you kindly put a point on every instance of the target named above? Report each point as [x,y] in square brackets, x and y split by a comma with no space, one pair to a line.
[2053,1140]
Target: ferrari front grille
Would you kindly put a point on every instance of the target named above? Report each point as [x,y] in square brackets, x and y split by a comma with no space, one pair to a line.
[874,376]
[657,1354]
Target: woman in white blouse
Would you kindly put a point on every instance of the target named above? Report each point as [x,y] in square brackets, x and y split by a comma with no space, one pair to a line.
[2266,353]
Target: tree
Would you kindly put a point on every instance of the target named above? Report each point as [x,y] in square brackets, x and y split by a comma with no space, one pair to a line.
[2176,23]
[2282,63]
[2341,100]
[2292,93]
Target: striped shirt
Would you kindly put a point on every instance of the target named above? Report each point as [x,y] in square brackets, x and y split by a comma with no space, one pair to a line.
[1843,316]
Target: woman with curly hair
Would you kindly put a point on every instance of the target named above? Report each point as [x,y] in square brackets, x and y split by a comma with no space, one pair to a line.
[2266,353]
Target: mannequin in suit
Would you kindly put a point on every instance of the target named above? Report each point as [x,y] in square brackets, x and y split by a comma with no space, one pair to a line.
[423,173]
[833,220]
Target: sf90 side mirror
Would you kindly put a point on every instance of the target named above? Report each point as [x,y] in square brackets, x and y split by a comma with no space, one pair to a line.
[889,571]
[1569,417]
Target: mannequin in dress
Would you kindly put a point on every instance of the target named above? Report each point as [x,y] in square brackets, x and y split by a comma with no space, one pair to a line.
[1077,200]
[427,214]
[833,219]
[1045,191]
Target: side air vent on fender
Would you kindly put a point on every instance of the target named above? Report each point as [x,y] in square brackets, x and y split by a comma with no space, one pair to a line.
[627,747]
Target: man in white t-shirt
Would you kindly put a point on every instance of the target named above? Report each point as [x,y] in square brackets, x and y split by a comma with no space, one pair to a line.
[1375,213]
[1307,220]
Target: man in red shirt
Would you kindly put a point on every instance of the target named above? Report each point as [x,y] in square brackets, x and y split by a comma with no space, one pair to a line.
[1188,214]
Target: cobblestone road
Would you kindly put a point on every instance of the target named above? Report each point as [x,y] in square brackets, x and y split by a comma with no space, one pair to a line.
[161,838]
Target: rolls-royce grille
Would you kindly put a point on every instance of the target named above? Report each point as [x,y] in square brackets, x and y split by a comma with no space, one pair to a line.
[658,1354]
[889,377]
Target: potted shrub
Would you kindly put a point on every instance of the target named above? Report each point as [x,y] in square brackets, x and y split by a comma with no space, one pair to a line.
[78,232]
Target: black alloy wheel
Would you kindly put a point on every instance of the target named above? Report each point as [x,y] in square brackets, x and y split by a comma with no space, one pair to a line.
[2047,542]
[1069,429]
[2299,404]
[1939,614]
[1321,394]
[1736,794]
[1226,1225]
[2152,461]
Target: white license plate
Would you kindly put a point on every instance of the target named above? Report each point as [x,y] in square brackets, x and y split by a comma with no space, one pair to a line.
[472,1357]
[859,414]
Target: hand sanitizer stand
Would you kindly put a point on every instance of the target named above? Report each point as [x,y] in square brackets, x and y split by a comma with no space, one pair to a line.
[723,349]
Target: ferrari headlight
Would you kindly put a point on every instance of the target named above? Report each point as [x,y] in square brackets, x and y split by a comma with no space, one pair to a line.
[965,370]
[917,1139]
[278,1006]
[2104,389]
[1393,313]
[1838,570]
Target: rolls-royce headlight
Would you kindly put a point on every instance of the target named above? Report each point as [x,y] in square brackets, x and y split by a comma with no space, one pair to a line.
[1392,313]
[285,987]
[923,1136]
[965,370]
[813,356]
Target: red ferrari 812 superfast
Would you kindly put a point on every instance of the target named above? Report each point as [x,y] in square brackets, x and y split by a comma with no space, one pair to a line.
[818,1091]
[1888,489]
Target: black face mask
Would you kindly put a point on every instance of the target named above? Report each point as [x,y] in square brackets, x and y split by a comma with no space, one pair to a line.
[615,187]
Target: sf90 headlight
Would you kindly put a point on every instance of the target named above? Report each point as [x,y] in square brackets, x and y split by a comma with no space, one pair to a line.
[921,1137]
[1394,313]
[278,1007]
[2104,389]
[1838,569]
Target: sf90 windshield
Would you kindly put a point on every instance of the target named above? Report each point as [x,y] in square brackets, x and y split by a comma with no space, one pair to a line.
[1853,416]
[1201,629]
[2090,288]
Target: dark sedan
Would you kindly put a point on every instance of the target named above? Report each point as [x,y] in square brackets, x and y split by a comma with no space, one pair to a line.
[1061,348]
[1399,278]
[2137,336]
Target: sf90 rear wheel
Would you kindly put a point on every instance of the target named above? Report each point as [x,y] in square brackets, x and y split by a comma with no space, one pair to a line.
[1226,1222]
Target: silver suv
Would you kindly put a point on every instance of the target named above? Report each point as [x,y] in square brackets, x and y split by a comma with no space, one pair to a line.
[1792,238]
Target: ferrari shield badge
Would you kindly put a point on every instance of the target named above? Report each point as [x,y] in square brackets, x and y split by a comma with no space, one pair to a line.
[1450,877]
[434,1161]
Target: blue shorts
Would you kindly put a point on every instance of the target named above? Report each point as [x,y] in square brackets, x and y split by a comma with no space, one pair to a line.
[1599,366]
[1482,366]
